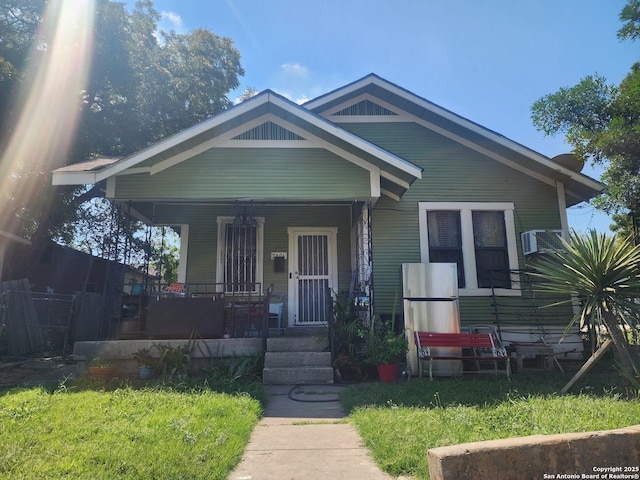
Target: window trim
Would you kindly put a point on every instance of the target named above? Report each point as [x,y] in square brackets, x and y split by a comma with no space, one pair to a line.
[468,243]
[220,269]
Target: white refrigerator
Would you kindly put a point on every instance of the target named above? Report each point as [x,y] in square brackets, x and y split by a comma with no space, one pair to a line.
[430,300]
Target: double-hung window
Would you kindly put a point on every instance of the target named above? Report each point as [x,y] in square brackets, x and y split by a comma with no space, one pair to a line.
[240,255]
[478,237]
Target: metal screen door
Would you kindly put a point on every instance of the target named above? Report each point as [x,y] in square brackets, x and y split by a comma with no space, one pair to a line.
[312,277]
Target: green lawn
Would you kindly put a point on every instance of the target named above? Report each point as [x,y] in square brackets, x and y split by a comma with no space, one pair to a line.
[193,431]
[400,422]
[158,433]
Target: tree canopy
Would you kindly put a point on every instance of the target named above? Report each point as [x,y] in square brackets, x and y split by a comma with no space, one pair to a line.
[139,85]
[602,123]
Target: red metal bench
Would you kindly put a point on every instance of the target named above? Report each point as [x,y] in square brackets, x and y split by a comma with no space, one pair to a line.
[484,346]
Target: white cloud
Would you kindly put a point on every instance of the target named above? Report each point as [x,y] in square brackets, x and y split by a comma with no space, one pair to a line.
[173,19]
[294,81]
[295,70]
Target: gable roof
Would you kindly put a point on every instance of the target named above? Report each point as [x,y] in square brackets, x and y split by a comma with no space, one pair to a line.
[394,98]
[396,174]
[317,124]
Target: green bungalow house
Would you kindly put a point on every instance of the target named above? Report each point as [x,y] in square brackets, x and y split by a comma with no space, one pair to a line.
[335,194]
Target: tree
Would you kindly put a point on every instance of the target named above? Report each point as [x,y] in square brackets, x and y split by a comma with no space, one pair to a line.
[165,255]
[631,15]
[603,272]
[602,122]
[248,93]
[141,85]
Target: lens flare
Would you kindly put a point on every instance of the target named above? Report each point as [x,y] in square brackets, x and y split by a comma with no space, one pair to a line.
[50,105]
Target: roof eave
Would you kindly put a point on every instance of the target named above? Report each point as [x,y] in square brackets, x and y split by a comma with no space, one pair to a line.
[553,169]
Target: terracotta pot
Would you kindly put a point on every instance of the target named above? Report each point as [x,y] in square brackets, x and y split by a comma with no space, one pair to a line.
[102,374]
[388,373]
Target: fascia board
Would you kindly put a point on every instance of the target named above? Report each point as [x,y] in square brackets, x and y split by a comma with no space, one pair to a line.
[74,178]
[267,97]
[204,146]
[408,96]
[182,136]
[339,92]
[356,160]
[349,137]
[298,112]
[482,131]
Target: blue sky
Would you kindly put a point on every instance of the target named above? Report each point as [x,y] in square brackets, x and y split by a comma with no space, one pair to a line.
[486,60]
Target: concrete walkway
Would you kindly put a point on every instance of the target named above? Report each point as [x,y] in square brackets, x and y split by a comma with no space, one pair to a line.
[303,436]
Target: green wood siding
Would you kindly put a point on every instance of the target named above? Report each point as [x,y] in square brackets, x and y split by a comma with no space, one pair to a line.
[452,173]
[270,173]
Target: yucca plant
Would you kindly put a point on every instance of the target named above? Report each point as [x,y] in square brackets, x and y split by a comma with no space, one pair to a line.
[603,272]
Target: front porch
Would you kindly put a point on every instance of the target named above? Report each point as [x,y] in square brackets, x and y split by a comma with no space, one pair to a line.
[240,262]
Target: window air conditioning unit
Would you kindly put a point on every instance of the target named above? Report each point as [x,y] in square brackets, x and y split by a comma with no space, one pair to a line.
[539,241]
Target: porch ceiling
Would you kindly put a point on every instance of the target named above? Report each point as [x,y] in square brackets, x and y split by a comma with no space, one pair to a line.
[157,212]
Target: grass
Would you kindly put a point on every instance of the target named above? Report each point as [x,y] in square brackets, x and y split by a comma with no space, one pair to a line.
[161,432]
[198,428]
[400,422]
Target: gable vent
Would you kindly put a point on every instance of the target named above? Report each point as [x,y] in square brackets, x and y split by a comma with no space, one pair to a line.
[268,131]
[365,107]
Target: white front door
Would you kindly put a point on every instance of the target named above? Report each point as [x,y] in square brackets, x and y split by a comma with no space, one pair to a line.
[313,269]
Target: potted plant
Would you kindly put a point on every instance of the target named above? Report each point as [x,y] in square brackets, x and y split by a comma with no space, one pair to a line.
[101,369]
[385,348]
[145,361]
[347,342]
[174,362]
[349,369]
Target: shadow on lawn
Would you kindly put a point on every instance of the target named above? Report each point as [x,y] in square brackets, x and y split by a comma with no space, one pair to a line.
[603,380]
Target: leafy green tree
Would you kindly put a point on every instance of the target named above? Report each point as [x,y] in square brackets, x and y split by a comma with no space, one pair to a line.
[603,273]
[165,255]
[601,121]
[630,14]
[142,85]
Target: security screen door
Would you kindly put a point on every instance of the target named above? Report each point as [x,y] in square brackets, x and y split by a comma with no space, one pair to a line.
[312,276]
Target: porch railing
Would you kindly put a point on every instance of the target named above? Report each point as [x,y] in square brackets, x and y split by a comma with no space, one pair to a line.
[246,310]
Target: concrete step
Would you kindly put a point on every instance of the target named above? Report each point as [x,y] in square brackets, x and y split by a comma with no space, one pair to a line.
[297,376]
[297,344]
[297,359]
[299,331]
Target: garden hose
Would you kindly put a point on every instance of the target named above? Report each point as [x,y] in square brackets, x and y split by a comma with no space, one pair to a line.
[295,387]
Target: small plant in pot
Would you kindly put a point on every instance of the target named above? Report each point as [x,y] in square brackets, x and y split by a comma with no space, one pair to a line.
[385,348]
[347,342]
[101,369]
[146,362]
[349,369]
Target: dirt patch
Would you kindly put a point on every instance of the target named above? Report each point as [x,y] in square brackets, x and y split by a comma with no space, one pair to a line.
[28,372]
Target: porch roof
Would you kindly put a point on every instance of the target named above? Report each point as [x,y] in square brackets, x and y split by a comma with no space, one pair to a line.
[233,128]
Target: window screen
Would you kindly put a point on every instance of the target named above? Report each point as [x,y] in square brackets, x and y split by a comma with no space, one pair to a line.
[445,239]
[492,256]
